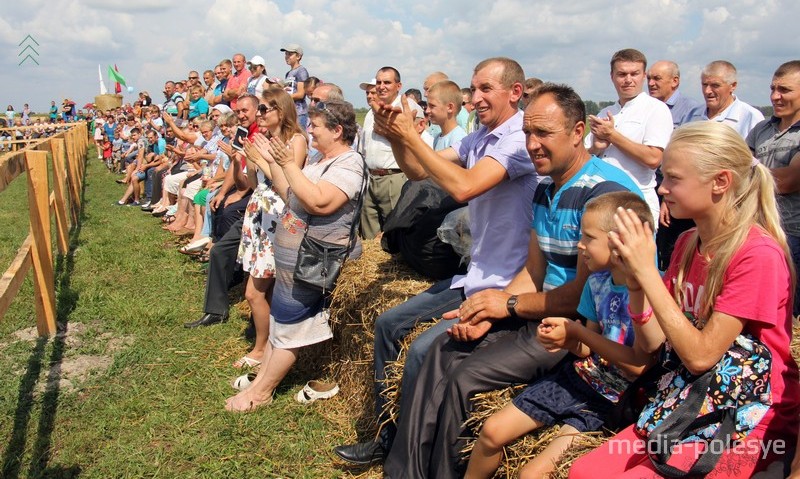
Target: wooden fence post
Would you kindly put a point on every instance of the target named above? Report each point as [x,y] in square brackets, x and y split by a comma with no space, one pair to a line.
[75,185]
[60,193]
[41,249]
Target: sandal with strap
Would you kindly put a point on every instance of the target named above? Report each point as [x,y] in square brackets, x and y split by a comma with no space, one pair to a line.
[246,361]
[244,381]
[314,390]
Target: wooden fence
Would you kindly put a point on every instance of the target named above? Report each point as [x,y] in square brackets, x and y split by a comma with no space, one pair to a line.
[68,152]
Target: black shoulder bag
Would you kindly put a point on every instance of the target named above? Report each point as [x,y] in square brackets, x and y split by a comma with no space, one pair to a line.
[320,262]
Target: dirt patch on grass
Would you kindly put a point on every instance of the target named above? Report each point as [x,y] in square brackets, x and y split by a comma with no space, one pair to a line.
[72,370]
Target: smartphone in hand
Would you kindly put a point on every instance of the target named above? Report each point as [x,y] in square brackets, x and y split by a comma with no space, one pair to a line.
[239,138]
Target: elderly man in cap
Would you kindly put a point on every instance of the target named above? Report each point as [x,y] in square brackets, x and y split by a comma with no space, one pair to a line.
[295,81]
[369,90]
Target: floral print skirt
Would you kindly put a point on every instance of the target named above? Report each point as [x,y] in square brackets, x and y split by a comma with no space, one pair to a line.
[256,251]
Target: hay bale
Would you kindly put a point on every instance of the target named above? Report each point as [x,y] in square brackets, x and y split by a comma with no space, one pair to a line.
[521,451]
[107,102]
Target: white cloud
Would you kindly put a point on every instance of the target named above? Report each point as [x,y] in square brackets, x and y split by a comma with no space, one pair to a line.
[346,41]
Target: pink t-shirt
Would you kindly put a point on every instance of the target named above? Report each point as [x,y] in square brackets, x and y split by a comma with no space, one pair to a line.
[237,80]
[756,287]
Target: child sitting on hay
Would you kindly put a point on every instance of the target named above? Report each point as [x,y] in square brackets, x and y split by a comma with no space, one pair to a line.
[578,394]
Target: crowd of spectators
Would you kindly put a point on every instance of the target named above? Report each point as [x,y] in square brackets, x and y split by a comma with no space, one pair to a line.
[244,166]
[21,127]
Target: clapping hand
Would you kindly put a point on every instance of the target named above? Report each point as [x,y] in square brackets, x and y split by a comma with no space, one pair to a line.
[632,242]
[601,128]
[262,145]
[281,152]
[393,122]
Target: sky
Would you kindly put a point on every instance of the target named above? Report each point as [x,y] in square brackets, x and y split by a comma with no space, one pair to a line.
[347,41]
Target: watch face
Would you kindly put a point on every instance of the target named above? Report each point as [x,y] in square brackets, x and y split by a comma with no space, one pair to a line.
[511,304]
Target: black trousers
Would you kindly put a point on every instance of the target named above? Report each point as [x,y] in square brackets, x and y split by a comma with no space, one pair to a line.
[223,270]
[225,217]
[430,432]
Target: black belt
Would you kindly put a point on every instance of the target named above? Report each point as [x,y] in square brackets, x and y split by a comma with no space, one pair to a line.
[384,171]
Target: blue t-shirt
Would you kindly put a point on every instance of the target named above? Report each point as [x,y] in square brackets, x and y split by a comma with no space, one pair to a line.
[159,147]
[605,303]
[455,136]
[197,108]
[109,128]
[557,214]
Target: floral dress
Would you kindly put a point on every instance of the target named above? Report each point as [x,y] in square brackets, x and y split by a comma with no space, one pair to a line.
[256,252]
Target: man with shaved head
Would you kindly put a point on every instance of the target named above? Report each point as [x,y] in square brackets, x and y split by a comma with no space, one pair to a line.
[719,84]
[237,83]
[663,80]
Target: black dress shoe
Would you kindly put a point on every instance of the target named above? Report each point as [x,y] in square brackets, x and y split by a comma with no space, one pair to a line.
[207,320]
[362,453]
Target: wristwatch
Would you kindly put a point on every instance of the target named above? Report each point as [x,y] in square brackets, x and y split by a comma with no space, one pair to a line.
[510,305]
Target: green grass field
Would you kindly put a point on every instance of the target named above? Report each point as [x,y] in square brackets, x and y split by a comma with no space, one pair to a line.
[127,392]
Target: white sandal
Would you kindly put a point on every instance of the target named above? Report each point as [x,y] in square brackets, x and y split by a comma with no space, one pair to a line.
[314,390]
[244,381]
[197,245]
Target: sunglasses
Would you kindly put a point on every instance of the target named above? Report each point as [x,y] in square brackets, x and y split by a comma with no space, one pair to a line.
[194,78]
[264,109]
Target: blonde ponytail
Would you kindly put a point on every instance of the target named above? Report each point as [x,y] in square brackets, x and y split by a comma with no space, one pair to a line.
[750,201]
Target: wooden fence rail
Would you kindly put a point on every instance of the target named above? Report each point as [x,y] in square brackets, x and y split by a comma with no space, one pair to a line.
[68,152]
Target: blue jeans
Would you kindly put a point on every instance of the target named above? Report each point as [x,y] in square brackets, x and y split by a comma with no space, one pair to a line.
[148,183]
[393,325]
[794,248]
[207,219]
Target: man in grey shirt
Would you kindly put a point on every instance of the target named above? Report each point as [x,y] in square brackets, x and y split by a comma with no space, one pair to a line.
[775,142]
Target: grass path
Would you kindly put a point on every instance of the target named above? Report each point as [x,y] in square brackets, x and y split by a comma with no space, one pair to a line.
[126,391]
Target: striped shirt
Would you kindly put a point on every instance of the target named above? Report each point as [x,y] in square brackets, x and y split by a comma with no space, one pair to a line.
[557,215]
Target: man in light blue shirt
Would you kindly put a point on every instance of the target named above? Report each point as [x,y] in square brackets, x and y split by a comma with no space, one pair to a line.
[663,80]
[491,171]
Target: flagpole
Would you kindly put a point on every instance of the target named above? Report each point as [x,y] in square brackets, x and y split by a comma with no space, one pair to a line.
[103,90]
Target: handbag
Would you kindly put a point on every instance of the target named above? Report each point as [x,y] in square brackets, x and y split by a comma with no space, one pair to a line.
[320,262]
[723,404]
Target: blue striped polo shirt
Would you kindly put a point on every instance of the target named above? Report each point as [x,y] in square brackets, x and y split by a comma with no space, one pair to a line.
[557,214]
